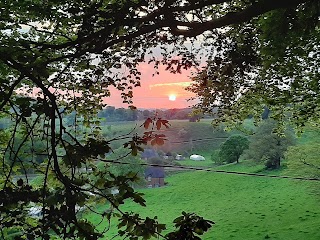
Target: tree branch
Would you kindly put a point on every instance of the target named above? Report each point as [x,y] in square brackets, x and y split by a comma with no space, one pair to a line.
[9,94]
[231,18]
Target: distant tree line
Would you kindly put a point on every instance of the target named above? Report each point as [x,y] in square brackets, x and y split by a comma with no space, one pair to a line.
[113,114]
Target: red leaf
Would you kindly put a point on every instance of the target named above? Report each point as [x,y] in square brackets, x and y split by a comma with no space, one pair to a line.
[147,123]
[158,124]
[160,141]
[154,142]
[165,123]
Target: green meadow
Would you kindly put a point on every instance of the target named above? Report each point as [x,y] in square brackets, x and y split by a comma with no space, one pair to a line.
[242,207]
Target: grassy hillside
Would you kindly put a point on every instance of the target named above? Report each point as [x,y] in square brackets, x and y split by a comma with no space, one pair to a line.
[182,136]
[243,207]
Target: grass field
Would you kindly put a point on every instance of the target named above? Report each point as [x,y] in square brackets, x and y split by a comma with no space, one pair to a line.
[242,207]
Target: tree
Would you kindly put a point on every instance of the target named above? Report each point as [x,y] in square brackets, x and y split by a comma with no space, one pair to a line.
[62,57]
[146,113]
[267,62]
[267,146]
[232,148]
[4,137]
[303,160]
[132,164]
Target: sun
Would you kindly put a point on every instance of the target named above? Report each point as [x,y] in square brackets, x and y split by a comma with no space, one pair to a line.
[172,97]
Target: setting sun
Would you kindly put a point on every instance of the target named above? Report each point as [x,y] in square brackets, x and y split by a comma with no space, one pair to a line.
[172,97]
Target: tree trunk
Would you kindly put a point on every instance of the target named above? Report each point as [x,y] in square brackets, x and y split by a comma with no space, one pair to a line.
[277,162]
[238,156]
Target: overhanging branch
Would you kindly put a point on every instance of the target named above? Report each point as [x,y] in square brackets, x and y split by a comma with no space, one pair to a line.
[257,9]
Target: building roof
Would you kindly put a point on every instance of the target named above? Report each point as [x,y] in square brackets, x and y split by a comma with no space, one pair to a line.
[154,172]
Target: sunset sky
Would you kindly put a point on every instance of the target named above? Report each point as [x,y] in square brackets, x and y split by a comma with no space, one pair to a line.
[155,90]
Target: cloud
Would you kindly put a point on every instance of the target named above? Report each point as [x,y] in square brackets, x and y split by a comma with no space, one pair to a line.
[180,84]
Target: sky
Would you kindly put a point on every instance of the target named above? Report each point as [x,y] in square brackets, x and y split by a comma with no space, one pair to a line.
[163,91]
[155,90]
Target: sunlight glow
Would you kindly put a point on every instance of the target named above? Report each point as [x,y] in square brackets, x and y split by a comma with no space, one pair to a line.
[172,97]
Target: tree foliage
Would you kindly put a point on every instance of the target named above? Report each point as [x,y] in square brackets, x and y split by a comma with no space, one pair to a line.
[129,164]
[268,146]
[269,62]
[232,148]
[112,114]
[304,160]
[62,57]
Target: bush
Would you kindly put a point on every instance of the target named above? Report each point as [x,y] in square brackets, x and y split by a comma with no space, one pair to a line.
[215,157]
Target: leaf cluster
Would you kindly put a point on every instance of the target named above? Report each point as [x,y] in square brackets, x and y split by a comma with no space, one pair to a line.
[189,227]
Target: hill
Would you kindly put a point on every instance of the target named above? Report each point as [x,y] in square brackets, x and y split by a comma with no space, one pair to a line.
[182,136]
[243,207]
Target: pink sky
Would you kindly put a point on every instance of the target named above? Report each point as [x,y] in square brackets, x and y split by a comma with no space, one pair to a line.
[155,90]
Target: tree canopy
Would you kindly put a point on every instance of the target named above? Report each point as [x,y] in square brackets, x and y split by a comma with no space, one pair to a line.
[304,160]
[268,62]
[82,45]
[59,57]
[232,149]
[267,146]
